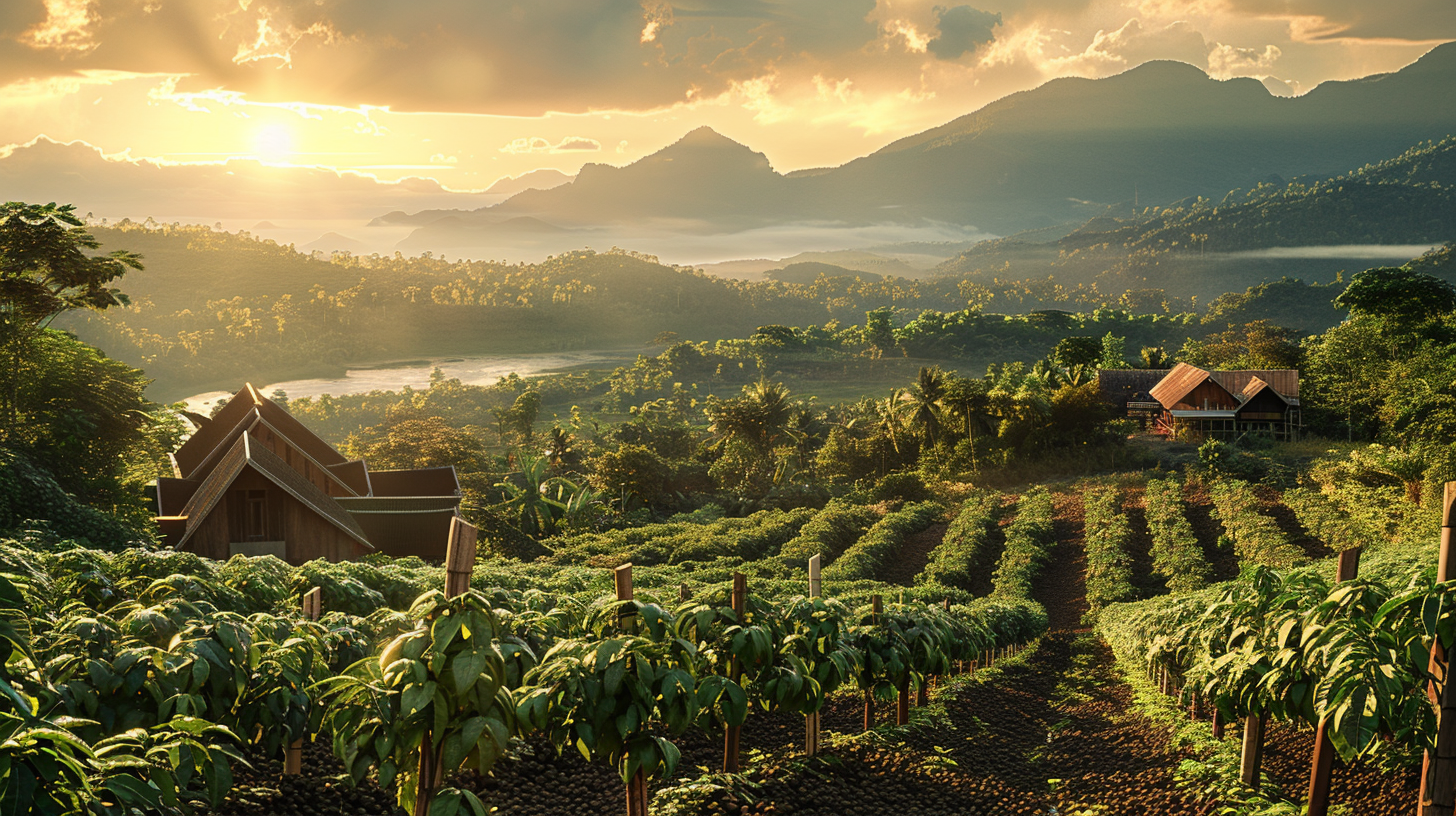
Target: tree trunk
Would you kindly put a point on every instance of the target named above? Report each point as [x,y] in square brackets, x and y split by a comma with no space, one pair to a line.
[1253,751]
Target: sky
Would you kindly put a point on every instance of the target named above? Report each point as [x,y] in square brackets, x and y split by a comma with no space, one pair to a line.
[470,91]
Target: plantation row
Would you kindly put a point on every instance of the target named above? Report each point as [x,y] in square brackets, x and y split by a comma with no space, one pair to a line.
[139,677]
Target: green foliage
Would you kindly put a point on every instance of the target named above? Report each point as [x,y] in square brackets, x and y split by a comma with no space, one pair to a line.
[1398,294]
[868,555]
[1295,647]
[749,539]
[439,690]
[963,556]
[1108,534]
[1028,539]
[1255,537]
[30,497]
[1177,556]
[828,534]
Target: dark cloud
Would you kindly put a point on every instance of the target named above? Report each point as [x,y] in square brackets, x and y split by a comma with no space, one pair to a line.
[448,55]
[1414,20]
[19,16]
[962,29]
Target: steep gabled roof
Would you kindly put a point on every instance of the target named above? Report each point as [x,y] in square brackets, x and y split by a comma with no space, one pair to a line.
[1174,387]
[239,413]
[1255,386]
[245,453]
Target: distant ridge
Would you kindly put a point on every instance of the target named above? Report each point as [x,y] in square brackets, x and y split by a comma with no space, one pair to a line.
[1066,151]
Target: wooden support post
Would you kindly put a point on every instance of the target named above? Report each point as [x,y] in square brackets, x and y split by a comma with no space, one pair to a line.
[1321,765]
[312,605]
[622,579]
[811,720]
[459,557]
[1253,751]
[626,622]
[1217,724]
[877,608]
[902,706]
[922,697]
[684,594]
[637,795]
[734,733]
[1438,775]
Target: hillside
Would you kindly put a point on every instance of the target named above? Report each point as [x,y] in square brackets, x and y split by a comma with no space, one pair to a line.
[1157,134]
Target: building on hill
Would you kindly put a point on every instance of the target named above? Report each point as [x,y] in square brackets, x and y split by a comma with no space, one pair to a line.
[1217,404]
[253,480]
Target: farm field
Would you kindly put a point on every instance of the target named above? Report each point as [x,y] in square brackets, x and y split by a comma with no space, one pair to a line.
[1058,719]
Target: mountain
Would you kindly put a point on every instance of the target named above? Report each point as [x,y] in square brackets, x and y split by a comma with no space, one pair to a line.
[1065,151]
[703,180]
[543,179]
[46,170]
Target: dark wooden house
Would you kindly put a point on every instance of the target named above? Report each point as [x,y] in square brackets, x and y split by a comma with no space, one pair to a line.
[253,480]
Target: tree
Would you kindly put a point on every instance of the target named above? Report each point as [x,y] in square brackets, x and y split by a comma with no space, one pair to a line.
[417,443]
[1256,345]
[1071,352]
[924,401]
[1399,294]
[1114,352]
[45,271]
[879,330]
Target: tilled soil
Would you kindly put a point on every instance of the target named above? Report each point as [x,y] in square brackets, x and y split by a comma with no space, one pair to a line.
[913,556]
[322,787]
[1199,510]
[1140,545]
[1364,790]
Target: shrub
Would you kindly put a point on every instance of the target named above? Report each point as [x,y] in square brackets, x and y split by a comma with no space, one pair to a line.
[964,552]
[1177,556]
[1028,538]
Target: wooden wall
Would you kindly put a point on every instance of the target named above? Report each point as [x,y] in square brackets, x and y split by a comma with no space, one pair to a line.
[308,535]
[1217,397]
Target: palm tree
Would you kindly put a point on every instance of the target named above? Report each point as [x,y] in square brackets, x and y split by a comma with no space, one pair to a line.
[760,416]
[969,401]
[560,448]
[924,403]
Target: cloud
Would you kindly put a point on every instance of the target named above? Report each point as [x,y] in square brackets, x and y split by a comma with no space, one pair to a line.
[536,144]
[527,58]
[1117,50]
[963,29]
[1226,61]
[1311,20]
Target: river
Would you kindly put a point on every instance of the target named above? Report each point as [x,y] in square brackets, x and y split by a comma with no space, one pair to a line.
[416,374]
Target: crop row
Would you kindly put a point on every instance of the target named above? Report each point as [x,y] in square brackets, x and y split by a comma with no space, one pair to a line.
[832,531]
[1028,539]
[750,538]
[1256,538]
[163,688]
[1293,647]
[964,552]
[1108,535]
[866,557]
[1327,522]
[1177,556]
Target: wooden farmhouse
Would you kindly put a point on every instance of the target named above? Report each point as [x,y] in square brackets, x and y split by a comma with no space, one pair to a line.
[1216,404]
[253,480]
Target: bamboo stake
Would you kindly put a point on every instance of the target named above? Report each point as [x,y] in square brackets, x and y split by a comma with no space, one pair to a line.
[1321,765]
[1253,749]
[1438,774]
[877,608]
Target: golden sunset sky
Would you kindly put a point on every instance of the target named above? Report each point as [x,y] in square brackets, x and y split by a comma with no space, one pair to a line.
[470,91]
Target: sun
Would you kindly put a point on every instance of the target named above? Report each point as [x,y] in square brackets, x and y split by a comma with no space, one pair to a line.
[273,143]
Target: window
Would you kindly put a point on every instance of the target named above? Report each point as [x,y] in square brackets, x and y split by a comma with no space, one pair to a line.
[255,518]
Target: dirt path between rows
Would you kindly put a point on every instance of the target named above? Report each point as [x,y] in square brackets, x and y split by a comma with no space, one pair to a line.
[913,556]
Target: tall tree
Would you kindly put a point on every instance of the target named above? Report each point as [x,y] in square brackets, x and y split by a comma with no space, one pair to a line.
[46,271]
